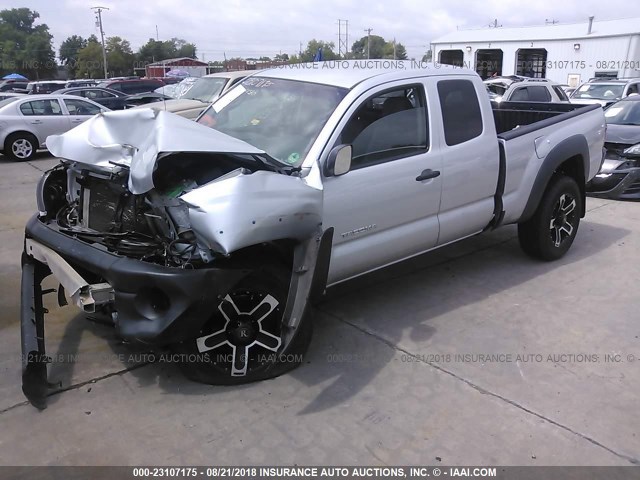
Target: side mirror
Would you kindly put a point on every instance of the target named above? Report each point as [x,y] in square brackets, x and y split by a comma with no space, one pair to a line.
[338,162]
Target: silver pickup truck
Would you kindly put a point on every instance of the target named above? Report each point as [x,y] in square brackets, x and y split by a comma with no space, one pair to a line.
[213,237]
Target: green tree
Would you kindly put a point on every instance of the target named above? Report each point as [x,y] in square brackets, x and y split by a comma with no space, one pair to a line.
[25,48]
[156,50]
[120,58]
[183,48]
[312,49]
[427,56]
[68,53]
[394,50]
[90,63]
[373,45]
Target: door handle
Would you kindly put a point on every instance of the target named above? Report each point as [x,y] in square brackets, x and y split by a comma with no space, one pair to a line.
[36,122]
[427,174]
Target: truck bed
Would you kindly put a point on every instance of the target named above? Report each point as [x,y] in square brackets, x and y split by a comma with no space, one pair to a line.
[510,116]
[532,137]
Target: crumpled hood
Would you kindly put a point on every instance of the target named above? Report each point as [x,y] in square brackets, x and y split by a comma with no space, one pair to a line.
[137,139]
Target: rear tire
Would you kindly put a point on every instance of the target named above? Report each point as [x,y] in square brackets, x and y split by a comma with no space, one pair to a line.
[549,233]
[21,147]
[240,343]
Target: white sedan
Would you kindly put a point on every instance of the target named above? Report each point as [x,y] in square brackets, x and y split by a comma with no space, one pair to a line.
[27,121]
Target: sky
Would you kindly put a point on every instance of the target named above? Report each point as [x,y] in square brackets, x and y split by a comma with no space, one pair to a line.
[241,28]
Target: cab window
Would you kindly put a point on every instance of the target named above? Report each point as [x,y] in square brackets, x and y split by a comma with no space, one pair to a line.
[461,116]
[388,126]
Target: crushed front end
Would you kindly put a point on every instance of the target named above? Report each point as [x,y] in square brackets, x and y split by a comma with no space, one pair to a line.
[173,243]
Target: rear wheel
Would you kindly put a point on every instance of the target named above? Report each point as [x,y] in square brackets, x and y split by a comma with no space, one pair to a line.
[21,146]
[548,235]
[241,342]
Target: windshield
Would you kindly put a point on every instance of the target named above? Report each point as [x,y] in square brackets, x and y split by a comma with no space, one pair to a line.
[205,90]
[599,91]
[281,117]
[624,113]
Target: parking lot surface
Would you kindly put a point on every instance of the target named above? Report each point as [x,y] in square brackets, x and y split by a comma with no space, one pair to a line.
[472,354]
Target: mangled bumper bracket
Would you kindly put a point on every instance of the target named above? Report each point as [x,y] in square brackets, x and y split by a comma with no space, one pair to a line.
[35,385]
[84,295]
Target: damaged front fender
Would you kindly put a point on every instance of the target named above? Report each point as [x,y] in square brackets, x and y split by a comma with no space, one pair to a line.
[240,210]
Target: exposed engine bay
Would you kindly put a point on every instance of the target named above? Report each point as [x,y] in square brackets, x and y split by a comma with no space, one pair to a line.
[98,208]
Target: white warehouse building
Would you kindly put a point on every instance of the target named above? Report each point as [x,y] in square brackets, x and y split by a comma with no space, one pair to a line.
[565,53]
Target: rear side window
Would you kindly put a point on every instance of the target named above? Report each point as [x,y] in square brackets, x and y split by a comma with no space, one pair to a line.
[539,94]
[41,107]
[461,116]
[520,95]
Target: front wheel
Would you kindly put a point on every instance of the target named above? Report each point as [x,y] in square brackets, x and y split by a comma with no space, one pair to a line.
[548,235]
[242,340]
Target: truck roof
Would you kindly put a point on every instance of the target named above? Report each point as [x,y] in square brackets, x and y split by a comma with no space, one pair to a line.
[348,73]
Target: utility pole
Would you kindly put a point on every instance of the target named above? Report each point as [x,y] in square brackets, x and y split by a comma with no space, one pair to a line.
[99,24]
[394,48]
[368,30]
[157,36]
[343,40]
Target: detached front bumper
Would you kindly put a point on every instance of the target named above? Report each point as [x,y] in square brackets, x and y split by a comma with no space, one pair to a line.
[151,303]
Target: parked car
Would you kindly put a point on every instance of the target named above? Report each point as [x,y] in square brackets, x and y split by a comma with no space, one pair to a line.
[10,85]
[202,92]
[526,90]
[605,92]
[45,86]
[112,99]
[80,83]
[132,86]
[213,236]
[619,177]
[26,122]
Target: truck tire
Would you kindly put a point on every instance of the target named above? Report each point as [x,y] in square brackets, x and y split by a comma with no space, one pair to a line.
[240,342]
[549,233]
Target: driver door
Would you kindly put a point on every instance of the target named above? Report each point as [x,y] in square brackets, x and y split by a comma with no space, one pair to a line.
[385,208]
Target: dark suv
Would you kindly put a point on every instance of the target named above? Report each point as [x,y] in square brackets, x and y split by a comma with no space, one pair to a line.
[131,87]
